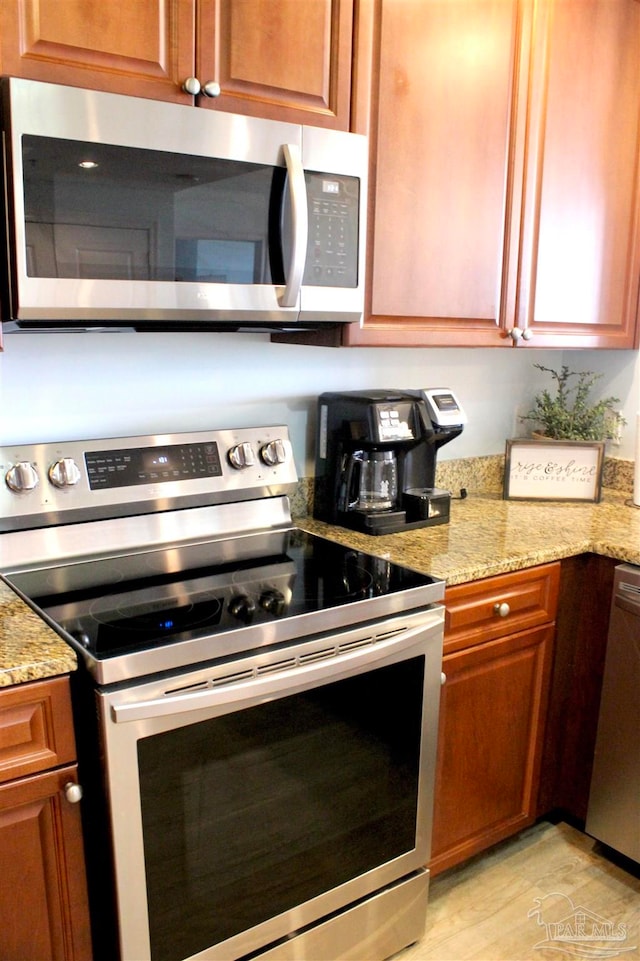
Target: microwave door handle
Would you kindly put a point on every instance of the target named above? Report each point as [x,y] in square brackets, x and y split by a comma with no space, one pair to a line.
[299,225]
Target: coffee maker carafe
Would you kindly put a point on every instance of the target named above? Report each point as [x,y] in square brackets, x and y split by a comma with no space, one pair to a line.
[376,459]
[372,480]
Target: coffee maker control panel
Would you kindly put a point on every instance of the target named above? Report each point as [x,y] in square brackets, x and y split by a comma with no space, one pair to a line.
[393,423]
[444,407]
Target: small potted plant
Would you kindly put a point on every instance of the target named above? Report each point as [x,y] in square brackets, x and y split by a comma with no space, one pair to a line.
[569,414]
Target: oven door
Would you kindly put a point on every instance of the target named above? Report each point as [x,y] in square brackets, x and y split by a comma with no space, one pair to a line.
[254,797]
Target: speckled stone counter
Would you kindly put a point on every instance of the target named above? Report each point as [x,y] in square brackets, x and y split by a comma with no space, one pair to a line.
[29,650]
[487,535]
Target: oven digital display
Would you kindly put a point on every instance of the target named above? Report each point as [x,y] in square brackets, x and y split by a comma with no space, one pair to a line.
[151,465]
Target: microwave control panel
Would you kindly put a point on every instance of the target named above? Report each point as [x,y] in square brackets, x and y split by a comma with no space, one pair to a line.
[332,249]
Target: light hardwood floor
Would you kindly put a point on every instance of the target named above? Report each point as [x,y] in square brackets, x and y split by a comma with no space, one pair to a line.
[522,901]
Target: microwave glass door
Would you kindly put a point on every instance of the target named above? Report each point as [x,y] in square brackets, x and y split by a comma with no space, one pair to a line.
[98,211]
[101,212]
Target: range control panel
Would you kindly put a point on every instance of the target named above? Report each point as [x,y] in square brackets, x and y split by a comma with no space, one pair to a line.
[152,465]
[111,477]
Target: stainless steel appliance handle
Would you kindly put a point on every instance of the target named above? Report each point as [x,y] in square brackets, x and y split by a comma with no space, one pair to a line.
[301,675]
[299,225]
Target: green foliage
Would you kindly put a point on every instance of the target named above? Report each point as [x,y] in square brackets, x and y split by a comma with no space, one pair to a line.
[568,415]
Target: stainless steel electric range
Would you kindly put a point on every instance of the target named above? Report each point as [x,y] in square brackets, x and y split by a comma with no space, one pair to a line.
[256,707]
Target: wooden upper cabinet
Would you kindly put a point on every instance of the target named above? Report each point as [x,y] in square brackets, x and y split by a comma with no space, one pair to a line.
[504,184]
[278,59]
[581,248]
[443,121]
[271,58]
[143,48]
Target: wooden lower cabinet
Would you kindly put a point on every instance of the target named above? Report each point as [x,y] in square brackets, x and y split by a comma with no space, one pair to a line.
[44,913]
[582,627]
[493,711]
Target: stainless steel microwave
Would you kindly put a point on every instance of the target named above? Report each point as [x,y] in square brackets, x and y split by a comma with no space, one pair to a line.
[125,212]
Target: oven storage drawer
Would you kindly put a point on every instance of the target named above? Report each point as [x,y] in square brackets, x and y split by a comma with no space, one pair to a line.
[36,728]
[498,606]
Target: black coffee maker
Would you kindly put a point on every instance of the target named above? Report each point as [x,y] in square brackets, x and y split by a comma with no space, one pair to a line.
[376,458]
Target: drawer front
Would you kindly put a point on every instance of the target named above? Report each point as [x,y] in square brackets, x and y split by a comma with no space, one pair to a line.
[36,728]
[501,605]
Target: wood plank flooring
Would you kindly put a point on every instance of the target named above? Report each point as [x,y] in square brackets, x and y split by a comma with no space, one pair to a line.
[550,893]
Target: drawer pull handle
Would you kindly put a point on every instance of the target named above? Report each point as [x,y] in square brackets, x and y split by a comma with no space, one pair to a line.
[73,792]
[501,610]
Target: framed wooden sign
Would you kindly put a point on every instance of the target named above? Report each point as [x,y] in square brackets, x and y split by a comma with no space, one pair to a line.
[553,470]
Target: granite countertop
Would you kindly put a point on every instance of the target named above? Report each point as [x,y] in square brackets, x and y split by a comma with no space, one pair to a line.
[29,649]
[486,535]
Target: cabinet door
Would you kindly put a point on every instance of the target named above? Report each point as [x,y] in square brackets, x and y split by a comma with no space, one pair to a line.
[578,283]
[505,192]
[43,900]
[278,59]
[144,48]
[444,141]
[36,728]
[492,713]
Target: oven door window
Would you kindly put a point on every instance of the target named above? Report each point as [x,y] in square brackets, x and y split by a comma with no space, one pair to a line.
[252,813]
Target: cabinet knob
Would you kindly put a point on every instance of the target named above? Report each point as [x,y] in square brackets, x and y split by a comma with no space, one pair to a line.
[502,610]
[516,334]
[192,85]
[527,333]
[443,679]
[73,792]
[211,88]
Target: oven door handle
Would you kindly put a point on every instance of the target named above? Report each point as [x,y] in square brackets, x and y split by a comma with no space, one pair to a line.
[291,679]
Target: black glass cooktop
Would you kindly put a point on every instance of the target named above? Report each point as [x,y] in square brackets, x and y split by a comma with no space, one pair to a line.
[112,606]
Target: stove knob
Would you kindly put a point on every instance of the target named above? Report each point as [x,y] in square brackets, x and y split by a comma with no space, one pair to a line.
[64,473]
[22,477]
[273,453]
[241,456]
[273,602]
[242,607]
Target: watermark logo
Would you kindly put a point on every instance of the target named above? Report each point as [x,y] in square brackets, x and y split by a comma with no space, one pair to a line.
[574,930]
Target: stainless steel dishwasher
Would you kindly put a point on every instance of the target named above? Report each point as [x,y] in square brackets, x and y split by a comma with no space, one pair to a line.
[613,814]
